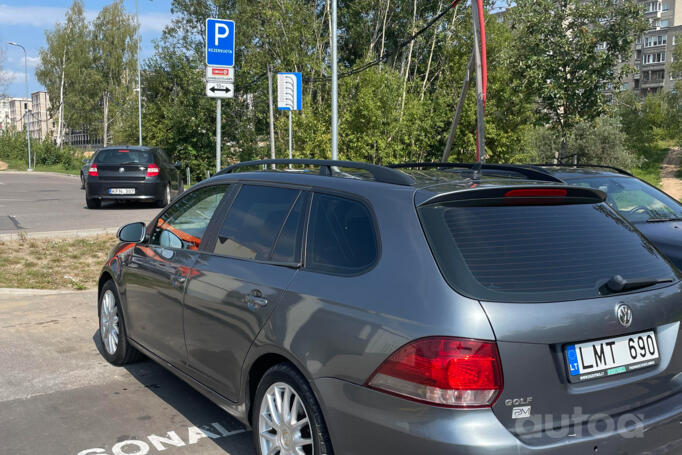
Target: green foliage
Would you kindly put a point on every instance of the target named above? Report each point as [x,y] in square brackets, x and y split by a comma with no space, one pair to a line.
[600,142]
[555,48]
[13,149]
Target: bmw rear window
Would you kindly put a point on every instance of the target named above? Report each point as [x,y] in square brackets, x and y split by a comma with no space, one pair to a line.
[124,156]
[537,253]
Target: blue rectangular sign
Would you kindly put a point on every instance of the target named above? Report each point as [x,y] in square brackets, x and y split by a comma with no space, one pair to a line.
[289,91]
[219,42]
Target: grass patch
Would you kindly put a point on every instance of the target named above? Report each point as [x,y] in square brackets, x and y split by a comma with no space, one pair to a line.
[650,171]
[16,165]
[53,264]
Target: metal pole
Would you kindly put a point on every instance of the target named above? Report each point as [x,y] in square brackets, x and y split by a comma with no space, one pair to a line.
[218,133]
[189,177]
[272,116]
[335,87]
[28,134]
[480,112]
[290,139]
[458,110]
[139,83]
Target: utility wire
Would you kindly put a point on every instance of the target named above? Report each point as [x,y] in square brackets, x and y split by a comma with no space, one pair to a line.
[386,55]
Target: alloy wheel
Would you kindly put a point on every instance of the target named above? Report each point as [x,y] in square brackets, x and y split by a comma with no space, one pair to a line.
[283,424]
[108,323]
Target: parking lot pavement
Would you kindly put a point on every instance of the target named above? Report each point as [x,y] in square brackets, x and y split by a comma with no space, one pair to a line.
[42,202]
[58,396]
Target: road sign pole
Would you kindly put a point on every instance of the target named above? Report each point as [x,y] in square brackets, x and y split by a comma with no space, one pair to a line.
[218,133]
[272,115]
[335,88]
[290,138]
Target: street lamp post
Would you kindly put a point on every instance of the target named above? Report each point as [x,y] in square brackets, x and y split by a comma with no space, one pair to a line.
[28,134]
[335,86]
[139,84]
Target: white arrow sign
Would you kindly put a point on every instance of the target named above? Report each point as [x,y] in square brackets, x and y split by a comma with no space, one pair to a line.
[219,90]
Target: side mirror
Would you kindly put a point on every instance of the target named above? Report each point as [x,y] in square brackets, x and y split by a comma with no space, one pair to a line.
[86,161]
[132,233]
[177,165]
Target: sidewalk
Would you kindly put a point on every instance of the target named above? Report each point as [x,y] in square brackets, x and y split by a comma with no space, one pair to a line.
[671,183]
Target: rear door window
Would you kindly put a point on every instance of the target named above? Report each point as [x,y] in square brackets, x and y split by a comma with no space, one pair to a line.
[537,253]
[124,156]
[341,236]
[254,222]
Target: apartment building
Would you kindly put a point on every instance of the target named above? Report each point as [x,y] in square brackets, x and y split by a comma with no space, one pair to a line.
[41,125]
[19,108]
[4,115]
[653,51]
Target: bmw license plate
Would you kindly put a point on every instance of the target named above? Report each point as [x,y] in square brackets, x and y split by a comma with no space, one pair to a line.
[610,357]
[121,191]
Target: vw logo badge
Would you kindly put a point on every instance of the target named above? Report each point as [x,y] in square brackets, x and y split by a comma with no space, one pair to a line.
[624,314]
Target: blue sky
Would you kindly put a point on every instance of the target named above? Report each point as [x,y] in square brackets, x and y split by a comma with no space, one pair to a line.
[25,21]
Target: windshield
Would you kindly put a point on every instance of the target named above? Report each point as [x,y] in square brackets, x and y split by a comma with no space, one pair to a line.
[121,156]
[633,199]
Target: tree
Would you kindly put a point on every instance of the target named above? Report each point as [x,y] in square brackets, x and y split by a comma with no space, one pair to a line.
[65,70]
[568,52]
[114,53]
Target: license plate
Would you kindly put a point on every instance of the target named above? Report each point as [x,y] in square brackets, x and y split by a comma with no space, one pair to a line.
[604,358]
[121,190]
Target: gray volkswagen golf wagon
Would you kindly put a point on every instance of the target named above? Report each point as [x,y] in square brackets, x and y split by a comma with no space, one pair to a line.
[348,308]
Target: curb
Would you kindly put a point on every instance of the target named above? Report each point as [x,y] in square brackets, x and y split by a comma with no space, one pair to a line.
[4,292]
[58,234]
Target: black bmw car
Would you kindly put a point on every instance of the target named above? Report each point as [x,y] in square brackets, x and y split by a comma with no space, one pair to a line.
[654,213]
[132,173]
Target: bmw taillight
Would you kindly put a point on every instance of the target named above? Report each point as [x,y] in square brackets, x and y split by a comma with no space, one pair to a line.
[443,371]
[93,170]
[153,170]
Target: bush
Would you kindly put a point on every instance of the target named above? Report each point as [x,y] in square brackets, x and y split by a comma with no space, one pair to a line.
[13,148]
[600,142]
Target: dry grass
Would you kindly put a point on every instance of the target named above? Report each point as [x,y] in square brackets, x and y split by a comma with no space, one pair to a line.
[53,264]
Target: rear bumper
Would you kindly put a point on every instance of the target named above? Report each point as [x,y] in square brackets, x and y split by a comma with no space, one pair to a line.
[147,190]
[364,421]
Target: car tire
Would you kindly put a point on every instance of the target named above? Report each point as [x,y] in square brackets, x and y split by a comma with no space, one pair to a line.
[161,203]
[284,381]
[82,181]
[93,203]
[116,348]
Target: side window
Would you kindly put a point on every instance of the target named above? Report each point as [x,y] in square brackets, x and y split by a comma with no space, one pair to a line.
[341,236]
[254,222]
[182,226]
[290,241]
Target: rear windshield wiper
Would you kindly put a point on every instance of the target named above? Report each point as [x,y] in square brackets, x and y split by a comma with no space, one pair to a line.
[619,284]
[663,220]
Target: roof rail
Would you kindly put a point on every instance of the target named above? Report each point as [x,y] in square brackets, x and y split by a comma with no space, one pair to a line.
[598,166]
[529,173]
[380,173]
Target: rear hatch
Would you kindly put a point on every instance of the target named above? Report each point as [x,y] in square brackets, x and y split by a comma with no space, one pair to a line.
[571,290]
[123,164]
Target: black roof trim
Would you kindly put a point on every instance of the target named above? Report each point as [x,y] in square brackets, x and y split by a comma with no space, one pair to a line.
[597,166]
[529,173]
[380,173]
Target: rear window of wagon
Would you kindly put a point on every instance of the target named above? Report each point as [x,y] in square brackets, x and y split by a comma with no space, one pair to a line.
[124,156]
[531,254]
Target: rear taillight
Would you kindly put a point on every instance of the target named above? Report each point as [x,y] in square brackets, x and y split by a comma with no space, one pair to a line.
[93,170]
[153,170]
[451,372]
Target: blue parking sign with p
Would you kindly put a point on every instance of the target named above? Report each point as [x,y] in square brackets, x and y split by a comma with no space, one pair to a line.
[219,42]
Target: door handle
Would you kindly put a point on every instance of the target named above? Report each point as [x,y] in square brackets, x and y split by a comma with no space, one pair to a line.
[256,300]
[177,280]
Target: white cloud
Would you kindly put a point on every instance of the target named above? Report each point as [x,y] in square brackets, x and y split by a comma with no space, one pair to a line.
[31,62]
[47,16]
[10,77]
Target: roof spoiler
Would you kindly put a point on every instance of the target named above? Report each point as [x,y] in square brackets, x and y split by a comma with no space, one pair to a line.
[519,195]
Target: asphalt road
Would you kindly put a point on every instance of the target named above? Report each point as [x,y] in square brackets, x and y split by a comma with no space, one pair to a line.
[58,396]
[42,202]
